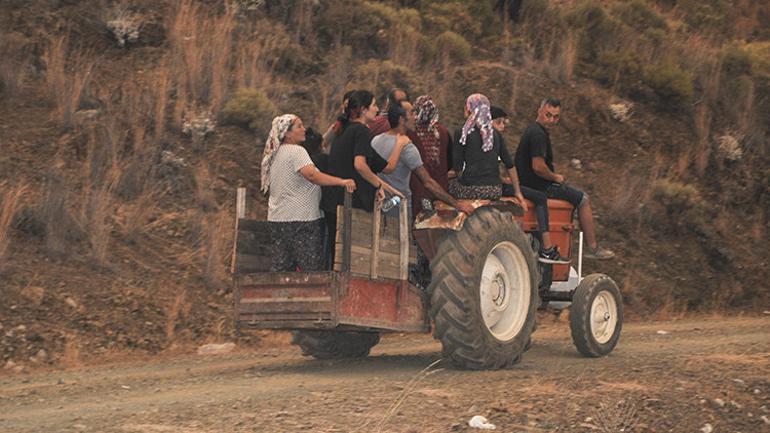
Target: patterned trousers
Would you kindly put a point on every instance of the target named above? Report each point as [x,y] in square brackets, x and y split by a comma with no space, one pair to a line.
[297,244]
[475,192]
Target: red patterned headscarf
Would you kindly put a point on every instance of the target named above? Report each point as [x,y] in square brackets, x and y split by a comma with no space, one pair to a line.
[479,117]
[426,121]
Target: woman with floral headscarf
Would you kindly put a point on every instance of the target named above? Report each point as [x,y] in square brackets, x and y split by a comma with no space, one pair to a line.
[478,148]
[292,182]
[435,144]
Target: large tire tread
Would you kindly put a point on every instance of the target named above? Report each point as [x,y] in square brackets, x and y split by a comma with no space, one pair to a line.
[335,344]
[456,273]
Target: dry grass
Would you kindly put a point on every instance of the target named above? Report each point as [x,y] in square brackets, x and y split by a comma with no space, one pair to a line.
[54,214]
[178,308]
[97,221]
[71,354]
[10,199]
[68,73]
[217,231]
[201,49]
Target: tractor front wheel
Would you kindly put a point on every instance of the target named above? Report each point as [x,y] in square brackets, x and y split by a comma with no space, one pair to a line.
[596,315]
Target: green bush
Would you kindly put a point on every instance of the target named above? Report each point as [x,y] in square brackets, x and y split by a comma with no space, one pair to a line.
[705,16]
[676,197]
[736,61]
[638,15]
[672,85]
[598,31]
[682,207]
[249,108]
[381,76]
[454,45]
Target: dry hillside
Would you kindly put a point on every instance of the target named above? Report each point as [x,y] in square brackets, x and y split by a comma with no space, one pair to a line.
[125,127]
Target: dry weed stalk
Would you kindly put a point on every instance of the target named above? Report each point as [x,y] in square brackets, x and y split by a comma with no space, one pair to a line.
[54,214]
[71,353]
[179,307]
[215,247]
[407,391]
[10,198]
[67,76]
[201,49]
[97,221]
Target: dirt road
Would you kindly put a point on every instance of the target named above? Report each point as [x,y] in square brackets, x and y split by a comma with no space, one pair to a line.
[663,376]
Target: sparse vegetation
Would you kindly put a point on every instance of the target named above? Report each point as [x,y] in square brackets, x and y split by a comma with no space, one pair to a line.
[98,131]
[248,108]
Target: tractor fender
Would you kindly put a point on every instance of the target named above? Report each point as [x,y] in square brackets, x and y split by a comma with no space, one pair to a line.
[431,227]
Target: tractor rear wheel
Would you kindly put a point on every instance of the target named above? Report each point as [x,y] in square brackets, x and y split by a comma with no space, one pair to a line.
[596,315]
[484,292]
[335,344]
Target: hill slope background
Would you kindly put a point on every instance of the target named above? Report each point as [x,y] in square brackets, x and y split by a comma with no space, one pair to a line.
[125,127]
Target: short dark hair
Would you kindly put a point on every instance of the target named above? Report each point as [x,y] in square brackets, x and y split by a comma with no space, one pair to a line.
[497,112]
[390,98]
[395,113]
[313,141]
[552,102]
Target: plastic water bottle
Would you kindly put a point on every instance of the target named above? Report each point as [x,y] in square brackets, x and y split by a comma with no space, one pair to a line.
[391,203]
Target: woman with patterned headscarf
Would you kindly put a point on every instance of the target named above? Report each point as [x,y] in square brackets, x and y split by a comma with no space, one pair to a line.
[292,182]
[478,148]
[435,144]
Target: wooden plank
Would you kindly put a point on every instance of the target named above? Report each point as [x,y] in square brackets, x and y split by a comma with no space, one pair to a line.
[253,243]
[374,260]
[284,316]
[252,225]
[240,203]
[389,266]
[285,307]
[288,280]
[346,227]
[404,239]
[247,263]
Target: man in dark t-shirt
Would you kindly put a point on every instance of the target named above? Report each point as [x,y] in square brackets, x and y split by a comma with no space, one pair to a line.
[534,163]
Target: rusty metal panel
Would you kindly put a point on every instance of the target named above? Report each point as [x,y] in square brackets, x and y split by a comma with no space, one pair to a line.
[267,300]
[386,304]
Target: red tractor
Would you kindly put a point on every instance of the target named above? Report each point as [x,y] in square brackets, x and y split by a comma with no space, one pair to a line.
[484,289]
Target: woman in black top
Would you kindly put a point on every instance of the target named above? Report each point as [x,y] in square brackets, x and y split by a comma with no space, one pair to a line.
[352,153]
[477,149]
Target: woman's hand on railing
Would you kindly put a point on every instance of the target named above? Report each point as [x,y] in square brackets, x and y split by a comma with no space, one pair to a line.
[349,185]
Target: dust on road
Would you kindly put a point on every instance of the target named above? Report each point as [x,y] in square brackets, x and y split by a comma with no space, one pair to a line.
[696,372]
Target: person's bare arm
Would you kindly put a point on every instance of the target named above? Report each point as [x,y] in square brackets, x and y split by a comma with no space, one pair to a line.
[401,142]
[312,174]
[434,188]
[541,169]
[359,162]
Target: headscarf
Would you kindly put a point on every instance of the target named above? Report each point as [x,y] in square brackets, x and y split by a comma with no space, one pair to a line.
[281,124]
[427,113]
[478,106]
[426,121]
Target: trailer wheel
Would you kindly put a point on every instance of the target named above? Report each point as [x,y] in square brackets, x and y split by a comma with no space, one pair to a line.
[335,344]
[596,315]
[484,292]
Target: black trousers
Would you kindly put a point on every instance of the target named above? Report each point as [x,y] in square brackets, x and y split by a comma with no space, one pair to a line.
[297,245]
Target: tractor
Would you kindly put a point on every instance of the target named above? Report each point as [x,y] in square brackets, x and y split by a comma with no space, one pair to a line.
[481,300]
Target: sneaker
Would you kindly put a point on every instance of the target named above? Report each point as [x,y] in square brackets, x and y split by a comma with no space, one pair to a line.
[552,256]
[599,254]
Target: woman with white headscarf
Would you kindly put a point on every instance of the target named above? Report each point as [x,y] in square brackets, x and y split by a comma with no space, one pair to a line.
[294,186]
[477,149]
